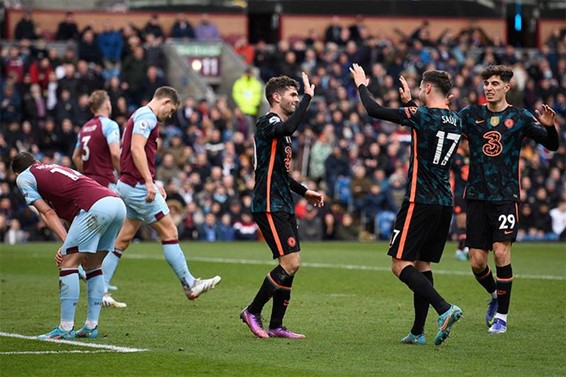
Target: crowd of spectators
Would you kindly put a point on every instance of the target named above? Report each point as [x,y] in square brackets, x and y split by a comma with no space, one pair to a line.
[206,159]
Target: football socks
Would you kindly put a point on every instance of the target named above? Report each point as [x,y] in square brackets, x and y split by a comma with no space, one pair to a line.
[69,290]
[176,259]
[95,292]
[504,283]
[421,307]
[109,266]
[485,278]
[419,284]
[274,279]
[281,298]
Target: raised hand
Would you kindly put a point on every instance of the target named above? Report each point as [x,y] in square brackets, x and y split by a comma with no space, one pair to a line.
[308,87]
[358,75]
[404,90]
[547,117]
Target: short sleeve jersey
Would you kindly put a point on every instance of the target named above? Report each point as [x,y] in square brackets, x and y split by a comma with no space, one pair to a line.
[495,140]
[435,137]
[142,122]
[93,141]
[273,158]
[66,190]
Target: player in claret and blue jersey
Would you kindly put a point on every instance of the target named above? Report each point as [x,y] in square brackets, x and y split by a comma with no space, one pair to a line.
[95,214]
[496,133]
[423,221]
[145,201]
[97,154]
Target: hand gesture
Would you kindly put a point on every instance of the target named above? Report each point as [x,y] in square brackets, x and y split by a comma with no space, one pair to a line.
[358,75]
[150,186]
[404,90]
[308,87]
[314,198]
[58,258]
[547,117]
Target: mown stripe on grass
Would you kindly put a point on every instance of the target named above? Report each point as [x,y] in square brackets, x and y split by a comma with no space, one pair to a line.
[333,265]
[72,342]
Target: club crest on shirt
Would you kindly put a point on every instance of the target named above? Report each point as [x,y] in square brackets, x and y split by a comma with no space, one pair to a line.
[494,121]
[509,123]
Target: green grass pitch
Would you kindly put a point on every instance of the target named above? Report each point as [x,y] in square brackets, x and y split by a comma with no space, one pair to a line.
[345,299]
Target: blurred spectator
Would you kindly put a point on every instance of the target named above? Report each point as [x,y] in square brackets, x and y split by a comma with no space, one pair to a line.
[10,107]
[558,216]
[154,27]
[14,65]
[89,49]
[34,107]
[209,230]
[182,28]
[329,227]
[25,28]
[245,50]
[67,29]
[347,230]
[154,54]
[152,81]
[110,44]
[225,230]
[15,235]
[168,169]
[206,30]
[245,228]
[333,31]
[39,72]
[247,93]
[310,226]
[134,73]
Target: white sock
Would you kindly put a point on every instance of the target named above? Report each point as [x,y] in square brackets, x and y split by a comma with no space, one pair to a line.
[66,326]
[91,324]
[501,316]
[494,294]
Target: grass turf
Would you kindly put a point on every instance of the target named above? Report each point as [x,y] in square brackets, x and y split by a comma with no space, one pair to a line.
[345,299]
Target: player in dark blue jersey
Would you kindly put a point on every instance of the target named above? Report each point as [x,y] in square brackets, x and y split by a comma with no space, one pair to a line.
[460,169]
[272,204]
[423,222]
[496,133]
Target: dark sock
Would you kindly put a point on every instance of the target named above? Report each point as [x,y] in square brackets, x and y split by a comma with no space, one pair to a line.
[281,299]
[504,283]
[485,278]
[270,284]
[421,308]
[461,240]
[422,286]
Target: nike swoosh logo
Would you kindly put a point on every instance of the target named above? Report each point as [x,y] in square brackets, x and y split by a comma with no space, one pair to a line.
[508,231]
[480,121]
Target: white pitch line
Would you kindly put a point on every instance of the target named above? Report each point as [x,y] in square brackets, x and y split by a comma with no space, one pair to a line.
[51,352]
[72,342]
[330,265]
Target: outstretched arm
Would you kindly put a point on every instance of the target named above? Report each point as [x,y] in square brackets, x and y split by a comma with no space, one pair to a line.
[373,108]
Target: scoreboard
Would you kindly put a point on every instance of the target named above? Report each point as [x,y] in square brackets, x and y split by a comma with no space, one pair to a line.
[205,58]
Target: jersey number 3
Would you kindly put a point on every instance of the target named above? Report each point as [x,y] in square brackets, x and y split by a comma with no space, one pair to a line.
[86,150]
